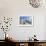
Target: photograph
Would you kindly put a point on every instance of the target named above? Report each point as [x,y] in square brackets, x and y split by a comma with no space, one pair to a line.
[26,20]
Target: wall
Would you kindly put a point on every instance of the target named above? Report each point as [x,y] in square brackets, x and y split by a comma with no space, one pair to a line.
[15,8]
[45,29]
[23,33]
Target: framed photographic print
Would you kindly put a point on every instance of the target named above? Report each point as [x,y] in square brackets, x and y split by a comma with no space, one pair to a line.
[25,20]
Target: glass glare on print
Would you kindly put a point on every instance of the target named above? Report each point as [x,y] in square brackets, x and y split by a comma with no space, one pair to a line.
[26,20]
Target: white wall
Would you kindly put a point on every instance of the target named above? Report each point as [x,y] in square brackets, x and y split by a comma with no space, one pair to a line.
[23,33]
[45,29]
[15,8]
[19,7]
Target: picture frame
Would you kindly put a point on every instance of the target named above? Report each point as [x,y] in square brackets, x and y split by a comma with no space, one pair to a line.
[25,20]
